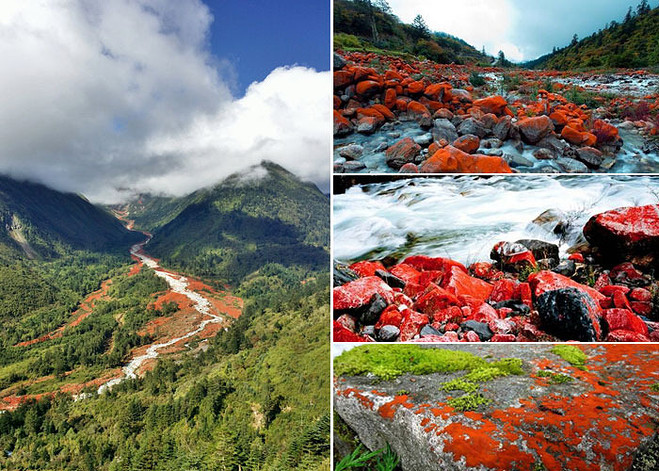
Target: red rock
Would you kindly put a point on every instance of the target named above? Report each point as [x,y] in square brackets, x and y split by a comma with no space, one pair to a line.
[366,268]
[402,152]
[642,308]
[341,124]
[435,300]
[513,256]
[452,160]
[424,263]
[471,336]
[534,129]
[451,326]
[640,294]
[367,88]
[622,319]
[611,289]
[343,78]
[602,281]
[390,316]
[523,293]
[576,257]
[546,280]
[430,276]
[459,283]
[606,303]
[484,313]
[504,312]
[348,322]
[415,88]
[443,113]
[575,137]
[620,301]
[390,98]
[625,232]
[626,336]
[405,272]
[605,132]
[503,338]
[625,272]
[503,290]
[467,143]
[493,104]
[501,326]
[384,111]
[484,271]
[341,334]
[439,91]
[358,293]
[558,118]
[412,324]
[417,109]
[448,337]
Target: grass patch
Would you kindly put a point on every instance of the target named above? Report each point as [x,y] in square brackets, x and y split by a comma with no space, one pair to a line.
[468,402]
[572,355]
[555,378]
[390,361]
[655,387]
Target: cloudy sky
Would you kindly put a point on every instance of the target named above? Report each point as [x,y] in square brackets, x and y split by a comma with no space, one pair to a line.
[109,98]
[522,29]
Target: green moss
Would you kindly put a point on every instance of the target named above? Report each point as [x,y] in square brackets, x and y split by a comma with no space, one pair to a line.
[468,402]
[572,355]
[555,378]
[403,392]
[654,387]
[459,384]
[389,361]
[483,375]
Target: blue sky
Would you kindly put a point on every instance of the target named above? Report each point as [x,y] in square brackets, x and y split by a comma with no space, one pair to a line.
[256,36]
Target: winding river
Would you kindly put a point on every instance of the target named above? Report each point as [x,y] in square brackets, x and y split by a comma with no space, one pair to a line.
[178,284]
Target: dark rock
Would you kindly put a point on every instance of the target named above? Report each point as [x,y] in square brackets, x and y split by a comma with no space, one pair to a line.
[590,156]
[388,333]
[569,314]
[517,307]
[351,152]
[544,154]
[372,313]
[368,330]
[342,274]
[401,153]
[339,62]
[565,268]
[571,165]
[390,279]
[481,328]
[353,166]
[444,129]
[429,330]
[540,248]
[473,126]
[554,144]
[502,128]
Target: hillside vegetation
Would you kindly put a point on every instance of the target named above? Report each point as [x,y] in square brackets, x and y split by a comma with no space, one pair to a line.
[632,43]
[370,25]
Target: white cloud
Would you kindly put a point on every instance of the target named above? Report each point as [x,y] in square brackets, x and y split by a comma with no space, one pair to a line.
[103,96]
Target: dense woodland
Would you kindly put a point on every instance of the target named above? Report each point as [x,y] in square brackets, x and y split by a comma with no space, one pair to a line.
[371,25]
[256,399]
[631,43]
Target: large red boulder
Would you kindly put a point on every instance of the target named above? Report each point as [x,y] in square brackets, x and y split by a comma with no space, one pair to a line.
[452,160]
[460,283]
[358,293]
[424,263]
[366,268]
[341,334]
[622,319]
[630,233]
[493,104]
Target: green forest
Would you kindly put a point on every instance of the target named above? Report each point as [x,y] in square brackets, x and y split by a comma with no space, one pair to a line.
[370,25]
[631,43]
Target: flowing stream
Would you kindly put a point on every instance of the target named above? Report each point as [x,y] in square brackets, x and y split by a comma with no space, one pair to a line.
[177,284]
[463,217]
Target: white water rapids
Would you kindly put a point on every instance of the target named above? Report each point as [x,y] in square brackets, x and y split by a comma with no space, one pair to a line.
[463,217]
[177,284]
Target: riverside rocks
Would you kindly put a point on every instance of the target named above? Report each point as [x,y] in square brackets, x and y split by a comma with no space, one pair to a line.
[441,101]
[527,294]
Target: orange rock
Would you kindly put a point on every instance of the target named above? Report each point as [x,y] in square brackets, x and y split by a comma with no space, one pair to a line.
[392,75]
[493,104]
[416,108]
[534,129]
[415,88]
[390,98]
[575,137]
[605,132]
[439,91]
[343,78]
[337,102]
[384,111]
[452,160]
[559,118]
[367,87]
[341,124]
[467,143]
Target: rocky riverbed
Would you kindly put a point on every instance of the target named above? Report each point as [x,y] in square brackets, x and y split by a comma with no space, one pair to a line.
[392,115]
[522,270]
